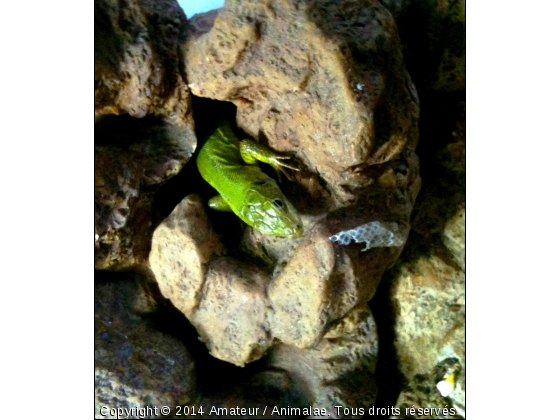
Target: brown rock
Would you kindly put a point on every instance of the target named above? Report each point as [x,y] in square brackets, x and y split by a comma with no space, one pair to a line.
[222,297]
[338,372]
[299,296]
[427,288]
[431,299]
[135,364]
[324,80]
[137,59]
[144,130]
[328,70]
[240,308]
[231,315]
[181,249]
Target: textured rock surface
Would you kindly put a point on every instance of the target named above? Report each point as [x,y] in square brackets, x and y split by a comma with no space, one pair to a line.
[431,298]
[426,288]
[338,371]
[231,315]
[324,80]
[181,249]
[144,131]
[135,364]
[239,307]
[334,75]
[345,360]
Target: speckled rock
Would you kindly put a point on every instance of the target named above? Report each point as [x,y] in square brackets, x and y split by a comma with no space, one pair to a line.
[144,130]
[429,292]
[135,364]
[339,370]
[427,287]
[240,307]
[137,59]
[431,299]
[326,82]
[310,383]
[182,246]
[323,80]
[232,314]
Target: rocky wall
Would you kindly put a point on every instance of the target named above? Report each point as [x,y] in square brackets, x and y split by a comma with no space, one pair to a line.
[287,321]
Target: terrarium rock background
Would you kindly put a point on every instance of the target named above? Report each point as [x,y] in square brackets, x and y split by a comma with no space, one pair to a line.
[423,297]
[136,363]
[326,82]
[144,130]
[420,305]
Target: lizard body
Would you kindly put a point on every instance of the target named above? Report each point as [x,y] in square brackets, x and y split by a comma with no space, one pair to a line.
[230,166]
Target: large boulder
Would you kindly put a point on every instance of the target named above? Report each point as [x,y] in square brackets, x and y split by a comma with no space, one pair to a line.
[324,80]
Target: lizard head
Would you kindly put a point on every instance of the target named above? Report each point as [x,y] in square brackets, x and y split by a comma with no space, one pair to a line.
[270,212]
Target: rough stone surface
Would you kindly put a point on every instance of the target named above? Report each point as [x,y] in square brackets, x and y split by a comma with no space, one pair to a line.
[427,286]
[144,131]
[238,307]
[346,358]
[137,59]
[338,371]
[324,80]
[182,246]
[135,364]
[231,315]
[431,298]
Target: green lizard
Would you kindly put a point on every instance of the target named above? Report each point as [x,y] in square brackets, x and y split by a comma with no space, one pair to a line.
[230,166]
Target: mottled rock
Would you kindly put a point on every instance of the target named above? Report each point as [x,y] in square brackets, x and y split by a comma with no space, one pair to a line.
[339,370]
[182,246]
[299,295]
[232,314]
[144,131]
[224,299]
[137,59]
[454,237]
[135,364]
[240,308]
[430,323]
[309,383]
[431,299]
[427,287]
[324,80]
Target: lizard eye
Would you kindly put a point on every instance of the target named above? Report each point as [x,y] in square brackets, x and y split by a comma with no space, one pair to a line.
[279,204]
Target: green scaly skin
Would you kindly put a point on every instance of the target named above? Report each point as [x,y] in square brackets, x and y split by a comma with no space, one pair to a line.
[230,166]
